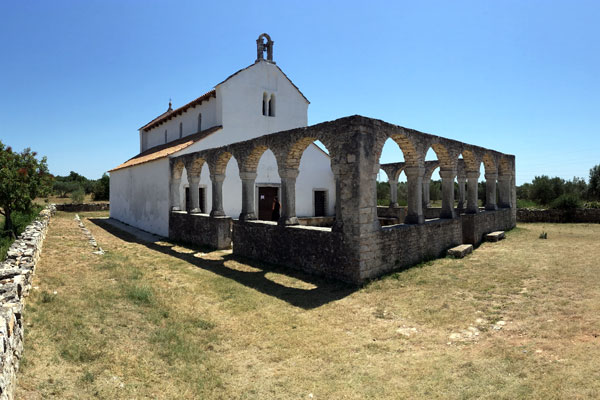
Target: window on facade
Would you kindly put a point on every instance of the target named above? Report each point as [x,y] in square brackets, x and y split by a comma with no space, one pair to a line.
[165,136]
[265,105]
[180,130]
[272,106]
[199,122]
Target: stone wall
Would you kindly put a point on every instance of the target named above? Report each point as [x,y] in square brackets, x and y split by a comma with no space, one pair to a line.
[397,213]
[476,226]
[589,215]
[401,246]
[325,222]
[83,207]
[16,274]
[314,250]
[200,229]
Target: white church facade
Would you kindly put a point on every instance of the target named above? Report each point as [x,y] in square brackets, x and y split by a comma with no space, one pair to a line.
[253,102]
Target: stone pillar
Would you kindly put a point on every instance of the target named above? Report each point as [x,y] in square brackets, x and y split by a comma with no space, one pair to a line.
[490,191]
[426,196]
[504,191]
[462,180]
[288,197]
[217,195]
[194,182]
[414,178]
[447,193]
[393,193]
[338,222]
[248,179]
[472,182]
[175,198]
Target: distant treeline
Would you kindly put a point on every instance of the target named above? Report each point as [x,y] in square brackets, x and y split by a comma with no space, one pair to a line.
[77,186]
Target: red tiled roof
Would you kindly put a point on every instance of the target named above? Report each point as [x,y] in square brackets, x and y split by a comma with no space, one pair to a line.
[167,149]
[178,111]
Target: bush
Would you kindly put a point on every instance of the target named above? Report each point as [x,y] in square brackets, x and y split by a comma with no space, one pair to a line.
[101,188]
[592,204]
[78,196]
[567,202]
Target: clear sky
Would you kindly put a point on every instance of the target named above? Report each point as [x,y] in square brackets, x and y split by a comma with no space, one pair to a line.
[78,78]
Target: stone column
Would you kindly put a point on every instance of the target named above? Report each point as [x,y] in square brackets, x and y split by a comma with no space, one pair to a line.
[217,195]
[472,182]
[426,196]
[393,193]
[504,191]
[462,180]
[194,182]
[490,191]
[414,178]
[288,197]
[175,198]
[248,179]
[447,193]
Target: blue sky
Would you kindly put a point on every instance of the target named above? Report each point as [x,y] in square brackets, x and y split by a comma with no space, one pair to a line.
[77,78]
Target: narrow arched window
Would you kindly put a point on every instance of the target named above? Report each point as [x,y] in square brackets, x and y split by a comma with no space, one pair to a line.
[265,105]
[199,122]
[272,106]
[165,136]
[180,130]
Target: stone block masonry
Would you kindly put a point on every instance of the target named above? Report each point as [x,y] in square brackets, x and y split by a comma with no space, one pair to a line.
[16,274]
[357,247]
[83,207]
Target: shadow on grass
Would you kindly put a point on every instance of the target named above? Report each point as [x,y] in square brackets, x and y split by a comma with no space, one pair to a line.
[324,291]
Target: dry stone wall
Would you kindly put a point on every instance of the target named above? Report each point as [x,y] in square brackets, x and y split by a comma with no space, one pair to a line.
[83,207]
[200,229]
[582,215]
[16,274]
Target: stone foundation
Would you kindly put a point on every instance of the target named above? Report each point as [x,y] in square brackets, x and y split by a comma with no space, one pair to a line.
[200,229]
[16,274]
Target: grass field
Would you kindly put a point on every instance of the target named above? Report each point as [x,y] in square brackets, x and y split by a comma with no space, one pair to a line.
[516,319]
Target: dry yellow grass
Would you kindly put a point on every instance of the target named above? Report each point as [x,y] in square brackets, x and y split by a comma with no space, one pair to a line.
[163,321]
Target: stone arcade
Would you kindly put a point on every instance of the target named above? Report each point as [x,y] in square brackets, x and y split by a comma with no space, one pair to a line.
[356,248]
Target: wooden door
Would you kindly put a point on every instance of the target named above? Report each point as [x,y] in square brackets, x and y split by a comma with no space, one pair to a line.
[266,194]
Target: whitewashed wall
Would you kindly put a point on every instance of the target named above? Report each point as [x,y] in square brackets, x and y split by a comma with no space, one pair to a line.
[139,196]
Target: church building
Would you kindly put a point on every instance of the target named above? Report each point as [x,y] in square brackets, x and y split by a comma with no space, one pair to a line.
[254,101]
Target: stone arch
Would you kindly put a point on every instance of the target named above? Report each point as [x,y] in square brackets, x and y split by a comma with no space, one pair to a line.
[489,163]
[218,162]
[447,159]
[471,161]
[294,153]
[177,169]
[412,156]
[194,166]
[248,162]
[264,44]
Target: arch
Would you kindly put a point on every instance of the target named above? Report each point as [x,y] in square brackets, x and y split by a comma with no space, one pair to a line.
[177,169]
[195,165]
[472,162]
[199,122]
[219,162]
[294,154]
[412,156]
[264,44]
[490,163]
[272,106]
[249,162]
[446,159]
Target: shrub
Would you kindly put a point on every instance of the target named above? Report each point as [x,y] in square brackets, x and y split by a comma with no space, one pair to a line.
[592,204]
[77,196]
[567,202]
[101,188]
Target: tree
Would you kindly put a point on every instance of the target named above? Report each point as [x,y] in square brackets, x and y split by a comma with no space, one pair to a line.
[22,179]
[594,186]
[101,188]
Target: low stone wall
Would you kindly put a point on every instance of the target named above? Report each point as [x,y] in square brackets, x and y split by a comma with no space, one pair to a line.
[583,215]
[83,207]
[326,222]
[16,274]
[200,229]
[393,215]
[476,226]
[401,246]
[314,250]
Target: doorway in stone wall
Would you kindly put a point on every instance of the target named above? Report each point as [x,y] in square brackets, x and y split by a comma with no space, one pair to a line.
[266,194]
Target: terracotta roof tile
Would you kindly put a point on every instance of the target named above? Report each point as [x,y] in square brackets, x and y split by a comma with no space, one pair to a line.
[165,150]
